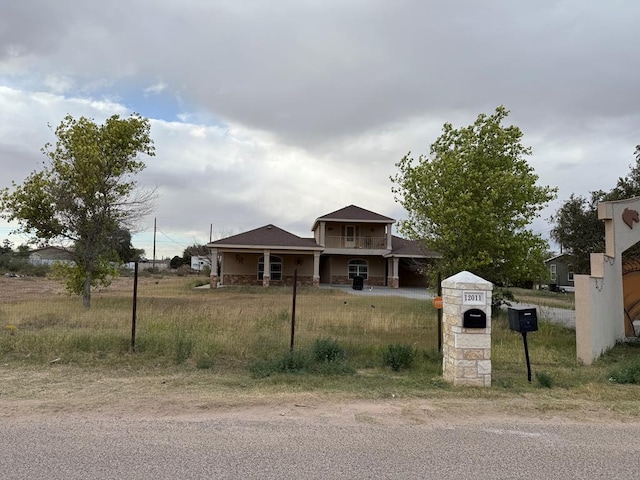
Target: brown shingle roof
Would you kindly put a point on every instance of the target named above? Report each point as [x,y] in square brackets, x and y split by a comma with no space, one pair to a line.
[353,213]
[267,236]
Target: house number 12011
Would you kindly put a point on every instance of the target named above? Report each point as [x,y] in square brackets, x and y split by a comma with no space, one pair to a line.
[473,298]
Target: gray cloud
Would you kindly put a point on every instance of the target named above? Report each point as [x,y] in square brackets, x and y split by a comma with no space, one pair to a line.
[316,70]
[317,100]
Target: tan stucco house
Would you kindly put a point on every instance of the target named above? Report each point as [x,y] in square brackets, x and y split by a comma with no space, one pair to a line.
[346,243]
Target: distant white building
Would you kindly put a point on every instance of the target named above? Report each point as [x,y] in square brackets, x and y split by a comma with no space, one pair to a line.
[199,262]
[149,264]
[50,256]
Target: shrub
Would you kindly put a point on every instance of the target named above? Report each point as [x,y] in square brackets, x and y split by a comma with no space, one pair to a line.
[328,350]
[204,363]
[501,297]
[544,379]
[399,356]
[290,362]
[627,374]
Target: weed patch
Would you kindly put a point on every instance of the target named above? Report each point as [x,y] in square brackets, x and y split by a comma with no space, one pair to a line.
[626,374]
[399,356]
[328,350]
[544,379]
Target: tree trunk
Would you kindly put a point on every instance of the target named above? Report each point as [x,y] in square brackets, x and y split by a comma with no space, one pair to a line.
[86,292]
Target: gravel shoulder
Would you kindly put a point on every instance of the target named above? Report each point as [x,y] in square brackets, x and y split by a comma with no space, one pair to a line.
[63,391]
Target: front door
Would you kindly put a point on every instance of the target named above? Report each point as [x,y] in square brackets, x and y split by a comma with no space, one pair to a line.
[350,236]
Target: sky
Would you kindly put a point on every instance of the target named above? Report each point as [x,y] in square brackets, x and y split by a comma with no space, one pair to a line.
[281,111]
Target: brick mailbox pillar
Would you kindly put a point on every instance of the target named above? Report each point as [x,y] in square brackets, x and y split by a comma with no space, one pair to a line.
[466,345]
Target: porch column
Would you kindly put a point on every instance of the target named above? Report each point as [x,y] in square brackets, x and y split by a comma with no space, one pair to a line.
[267,268]
[389,246]
[213,276]
[395,275]
[316,269]
[321,239]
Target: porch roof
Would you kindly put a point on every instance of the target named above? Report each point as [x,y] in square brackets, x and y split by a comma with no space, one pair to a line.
[267,237]
[401,247]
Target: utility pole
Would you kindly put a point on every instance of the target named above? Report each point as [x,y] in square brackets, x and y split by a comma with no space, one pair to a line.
[154,243]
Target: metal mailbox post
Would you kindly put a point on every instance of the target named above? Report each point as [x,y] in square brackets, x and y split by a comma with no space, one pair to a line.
[524,320]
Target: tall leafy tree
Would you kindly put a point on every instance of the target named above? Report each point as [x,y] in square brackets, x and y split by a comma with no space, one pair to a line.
[578,231]
[628,186]
[6,247]
[85,194]
[577,228]
[473,198]
[123,249]
[195,250]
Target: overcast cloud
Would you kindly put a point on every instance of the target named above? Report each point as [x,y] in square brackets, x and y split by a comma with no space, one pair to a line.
[280,111]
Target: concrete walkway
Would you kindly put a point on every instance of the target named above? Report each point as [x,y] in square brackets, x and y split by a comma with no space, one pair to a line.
[407,292]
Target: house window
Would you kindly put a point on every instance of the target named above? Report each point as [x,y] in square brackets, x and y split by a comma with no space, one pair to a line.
[552,271]
[358,268]
[570,273]
[275,266]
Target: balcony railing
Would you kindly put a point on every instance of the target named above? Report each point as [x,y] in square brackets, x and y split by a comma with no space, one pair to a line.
[370,243]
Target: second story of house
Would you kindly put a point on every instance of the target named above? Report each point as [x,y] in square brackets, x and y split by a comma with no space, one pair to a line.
[354,230]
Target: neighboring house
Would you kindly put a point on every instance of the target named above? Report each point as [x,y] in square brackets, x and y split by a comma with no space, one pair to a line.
[199,262]
[560,273]
[50,256]
[350,242]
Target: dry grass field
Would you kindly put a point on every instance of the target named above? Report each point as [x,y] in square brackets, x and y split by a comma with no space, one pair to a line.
[195,349]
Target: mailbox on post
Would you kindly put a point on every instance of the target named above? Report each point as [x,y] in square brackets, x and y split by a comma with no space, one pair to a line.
[523,320]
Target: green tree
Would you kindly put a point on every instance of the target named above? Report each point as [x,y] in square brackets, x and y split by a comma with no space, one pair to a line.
[6,247]
[85,194]
[629,186]
[122,247]
[176,262]
[194,250]
[578,230]
[472,200]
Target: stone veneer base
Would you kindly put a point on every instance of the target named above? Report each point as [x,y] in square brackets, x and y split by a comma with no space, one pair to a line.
[466,352]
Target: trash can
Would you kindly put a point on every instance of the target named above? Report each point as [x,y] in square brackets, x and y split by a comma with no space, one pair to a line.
[358,282]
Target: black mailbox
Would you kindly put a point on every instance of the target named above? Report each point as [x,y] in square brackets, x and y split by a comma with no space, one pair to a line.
[474,318]
[358,282]
[523,319]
